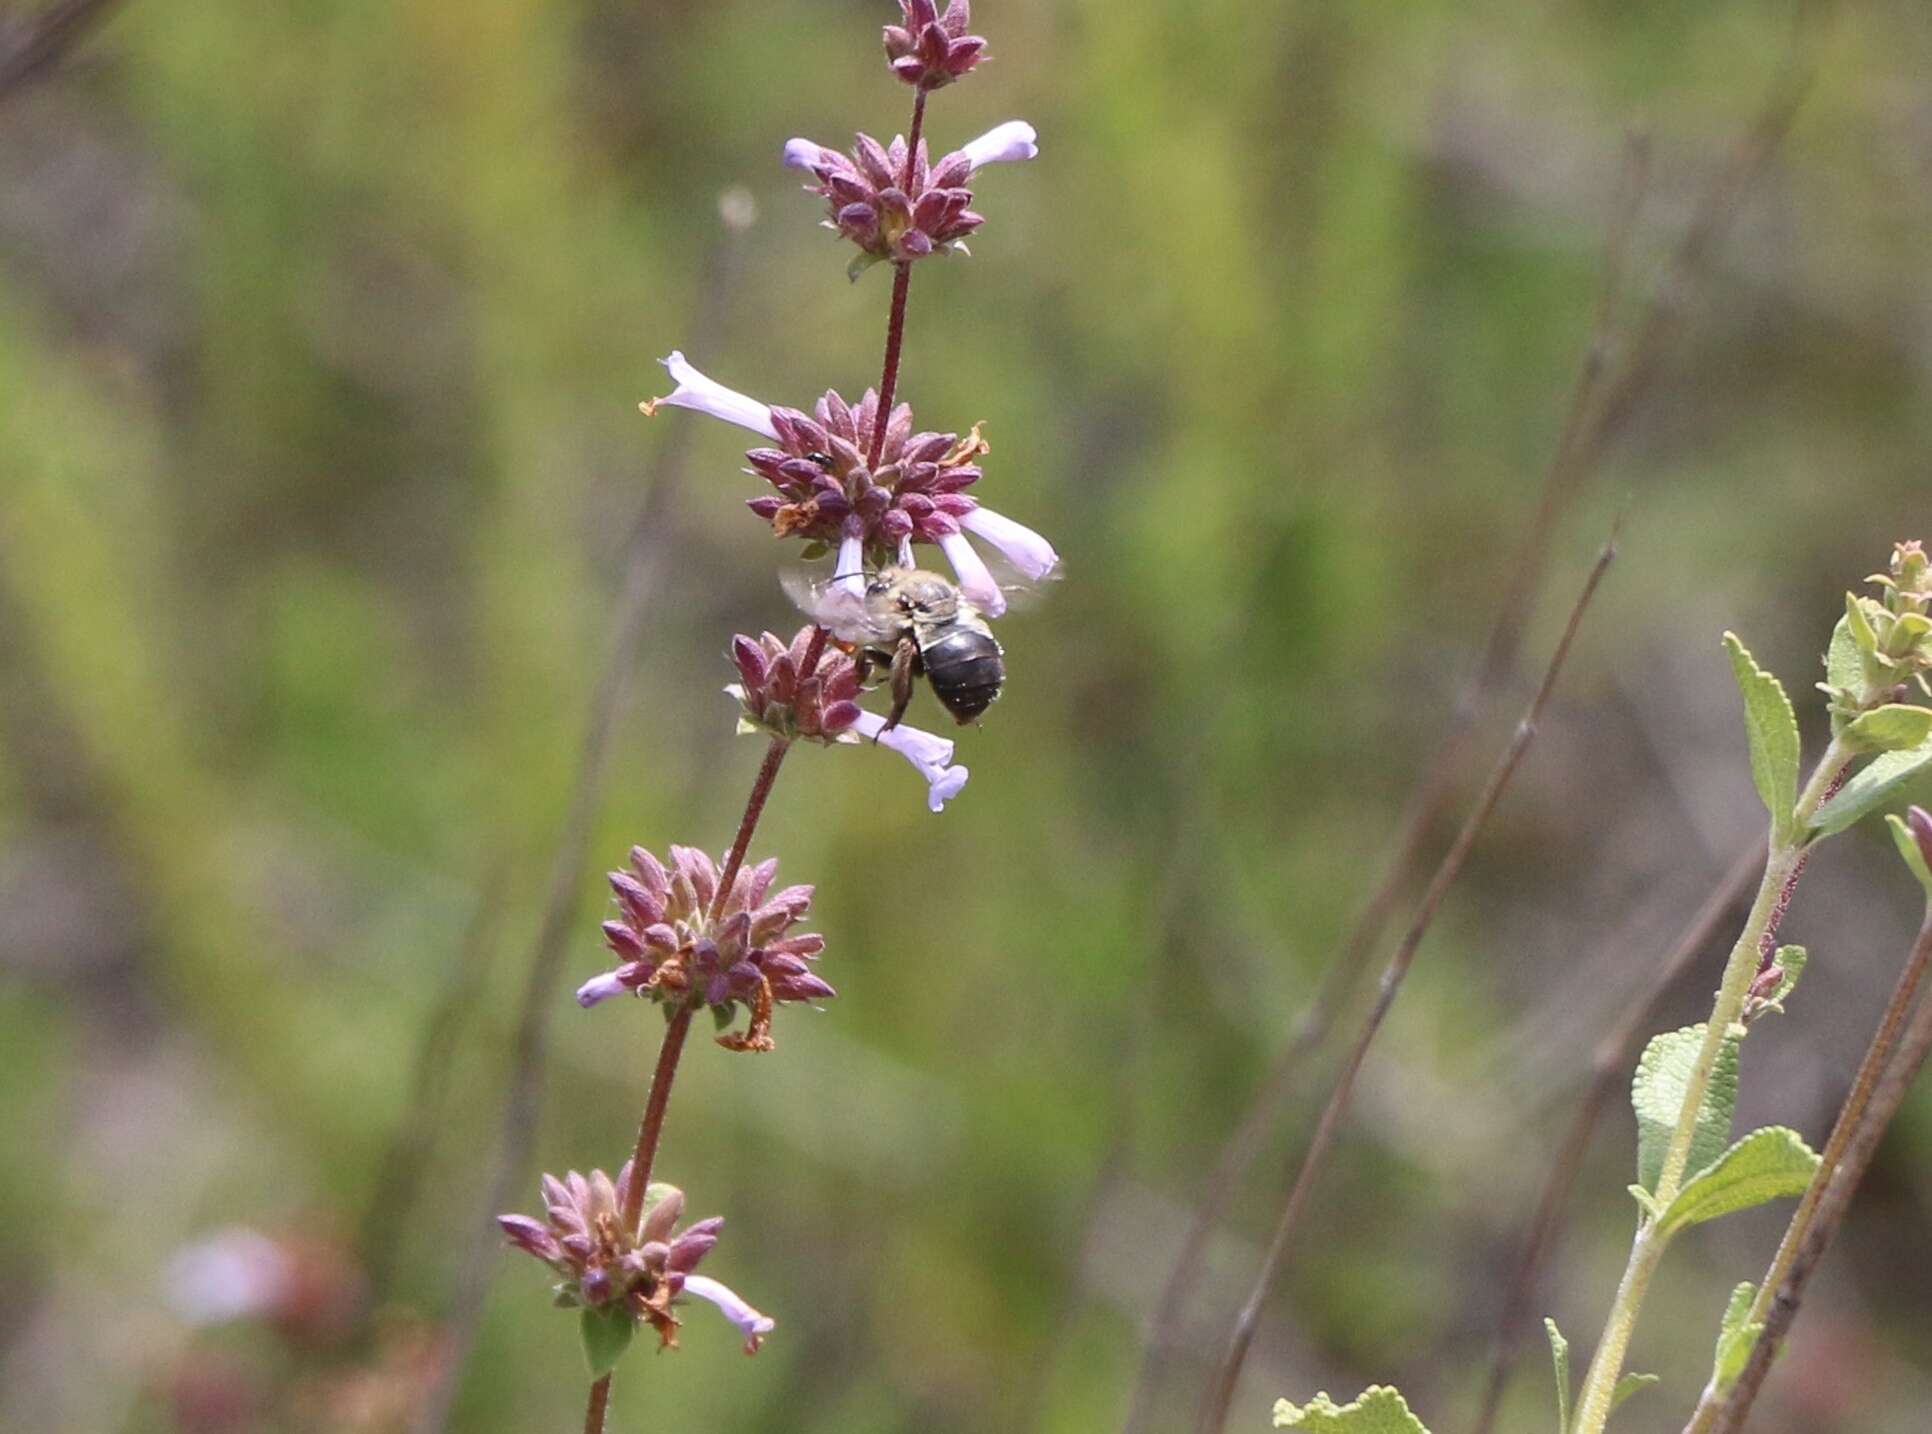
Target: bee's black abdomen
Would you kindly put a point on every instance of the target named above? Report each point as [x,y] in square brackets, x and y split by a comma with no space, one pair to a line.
[965,670]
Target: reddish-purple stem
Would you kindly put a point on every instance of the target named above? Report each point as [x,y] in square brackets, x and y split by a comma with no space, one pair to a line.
[652,1125]
[889,377]
[599,1402]
[896,319]
[760,789]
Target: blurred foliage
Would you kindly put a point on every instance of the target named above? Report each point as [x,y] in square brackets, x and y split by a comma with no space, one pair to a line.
[322,327]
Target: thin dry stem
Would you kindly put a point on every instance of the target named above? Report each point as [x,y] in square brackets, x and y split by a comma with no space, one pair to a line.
[33,47]
[1876,1094]
[1421,813]
[401,1172]
[1598,410]
[1220,1394]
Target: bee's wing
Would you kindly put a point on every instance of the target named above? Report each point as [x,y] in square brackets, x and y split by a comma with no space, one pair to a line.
[833,606]
[1022,593]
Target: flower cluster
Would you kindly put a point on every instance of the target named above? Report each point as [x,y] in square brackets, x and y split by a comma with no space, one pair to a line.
[678,945]
[932,50]
[895,204]
[641,1271]
[1890,636]
[828,491]
[776,699]
[773,698]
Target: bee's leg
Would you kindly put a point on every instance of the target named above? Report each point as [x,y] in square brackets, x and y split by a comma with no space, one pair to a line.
[905,661]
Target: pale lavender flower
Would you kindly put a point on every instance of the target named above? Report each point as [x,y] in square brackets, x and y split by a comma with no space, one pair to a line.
[930,756]
[1002,144]
[975,579]
[601,988]
[705,395]
[804,154]
[1025,549]
[751,1324]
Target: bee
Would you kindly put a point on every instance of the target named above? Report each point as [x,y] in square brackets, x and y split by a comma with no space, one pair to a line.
[917,624]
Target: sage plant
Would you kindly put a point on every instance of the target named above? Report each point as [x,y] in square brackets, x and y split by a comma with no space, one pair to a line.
[1684,1092]
[857,483]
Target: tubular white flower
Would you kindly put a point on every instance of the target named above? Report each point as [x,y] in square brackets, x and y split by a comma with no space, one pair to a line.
[1025,549]
[751,1324]
[1003,144]
[600,988]
[928,753]
[840,606]
[974,579]
[705,395]
[803,153]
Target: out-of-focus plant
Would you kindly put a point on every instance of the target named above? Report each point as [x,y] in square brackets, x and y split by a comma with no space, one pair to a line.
[1689,1168]
[692,934]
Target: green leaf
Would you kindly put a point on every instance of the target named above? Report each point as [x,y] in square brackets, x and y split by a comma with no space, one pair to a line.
[1858,625]
[606,1334]
[1768,1164]
[1908,847]
[1895,727]
[1844,667]
[1629,1385]
[1735,1338]
[1872,788]
[1379,1410]
[1657,1095]
[1790,966]
[1773,731]
[860,263]
[1560,1353]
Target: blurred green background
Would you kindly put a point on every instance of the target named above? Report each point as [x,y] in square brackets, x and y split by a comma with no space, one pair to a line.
[322,330]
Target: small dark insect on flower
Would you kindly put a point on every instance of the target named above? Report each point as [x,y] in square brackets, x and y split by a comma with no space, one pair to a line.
[919,625]
[642,1270]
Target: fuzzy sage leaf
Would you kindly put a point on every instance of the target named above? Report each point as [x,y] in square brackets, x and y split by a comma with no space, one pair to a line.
[606,1334]
[1631,1384]
[1560,1355]
[1768,1164]
[1878,784]
[1379,1410]
[1895,727]
[1657,1095]
[1909,848]
[1789,966]
[1772,728]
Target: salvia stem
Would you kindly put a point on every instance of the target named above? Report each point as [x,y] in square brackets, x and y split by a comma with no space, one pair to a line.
[1609,1069]
[889,374]
[1778,1284]
[651,1127]
[760,790]
[599,1402]
[1783,864]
